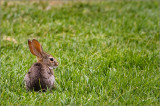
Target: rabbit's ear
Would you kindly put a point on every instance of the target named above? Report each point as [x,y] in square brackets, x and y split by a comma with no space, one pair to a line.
[35,48]
[30,47]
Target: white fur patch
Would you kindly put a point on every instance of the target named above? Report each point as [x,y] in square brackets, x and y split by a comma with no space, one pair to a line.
[51,68]
[54,67]
[51,80]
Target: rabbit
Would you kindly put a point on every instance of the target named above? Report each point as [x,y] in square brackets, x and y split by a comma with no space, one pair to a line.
[40,76]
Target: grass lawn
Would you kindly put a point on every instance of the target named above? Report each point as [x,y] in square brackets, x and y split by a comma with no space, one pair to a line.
[108,52]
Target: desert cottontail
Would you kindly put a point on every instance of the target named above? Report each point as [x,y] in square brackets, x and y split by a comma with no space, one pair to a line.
[40,76]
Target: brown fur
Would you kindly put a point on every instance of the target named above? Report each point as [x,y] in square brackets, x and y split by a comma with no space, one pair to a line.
[40,76]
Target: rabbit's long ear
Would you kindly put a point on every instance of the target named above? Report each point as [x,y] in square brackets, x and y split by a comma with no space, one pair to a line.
[35,48]
[37,45]
[30,47]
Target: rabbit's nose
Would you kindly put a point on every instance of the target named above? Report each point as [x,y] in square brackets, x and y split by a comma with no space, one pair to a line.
[56,63]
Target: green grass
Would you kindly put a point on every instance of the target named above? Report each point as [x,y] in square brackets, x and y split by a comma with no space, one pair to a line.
[108,52]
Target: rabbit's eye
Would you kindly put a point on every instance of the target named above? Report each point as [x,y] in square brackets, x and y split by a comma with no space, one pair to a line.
[51,59]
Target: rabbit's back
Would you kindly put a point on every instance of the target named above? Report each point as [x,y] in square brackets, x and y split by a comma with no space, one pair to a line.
[39,77]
